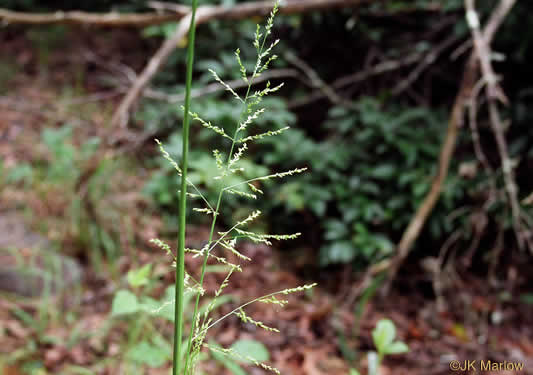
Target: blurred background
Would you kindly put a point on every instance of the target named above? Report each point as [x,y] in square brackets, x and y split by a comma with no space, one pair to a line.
[369,91]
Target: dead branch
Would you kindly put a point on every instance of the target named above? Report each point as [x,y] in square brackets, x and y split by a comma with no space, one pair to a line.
[426,62]
[468,82]
[205,14]
[380,68]
[115,19]
[495,93]
[315,80]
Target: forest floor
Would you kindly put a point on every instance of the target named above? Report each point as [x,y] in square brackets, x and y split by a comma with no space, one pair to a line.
[323,332]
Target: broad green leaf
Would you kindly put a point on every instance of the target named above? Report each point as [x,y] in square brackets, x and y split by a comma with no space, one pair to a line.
[124,302]
[148,354]
[340,252]
[139,276]
[383,335]
[383,171]
[250,348]
[148,304]
[397,347]
[354,372]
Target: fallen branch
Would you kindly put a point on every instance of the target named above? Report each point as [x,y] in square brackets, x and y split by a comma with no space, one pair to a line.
[205,14]
[468,83]
[8,17]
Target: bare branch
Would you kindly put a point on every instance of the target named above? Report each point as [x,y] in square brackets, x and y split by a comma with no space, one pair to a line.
[382,67]
[426,62]
[494,93]
[8,17]
[205,14]
[456,118]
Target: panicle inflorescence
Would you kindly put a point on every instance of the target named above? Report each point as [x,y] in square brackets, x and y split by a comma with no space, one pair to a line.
[228,165]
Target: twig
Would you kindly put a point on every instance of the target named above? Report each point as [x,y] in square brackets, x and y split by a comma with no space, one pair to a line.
[465,92]
[316,81]
[494,93]
[205,14]
[429,59]
[383,67]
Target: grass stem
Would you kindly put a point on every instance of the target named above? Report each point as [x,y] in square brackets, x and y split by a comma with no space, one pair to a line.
[180,259]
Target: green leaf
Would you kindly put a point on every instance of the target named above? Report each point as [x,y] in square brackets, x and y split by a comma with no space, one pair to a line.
[397,347]
[139,276]
[124,302]
[148,354]
[383,335]
[354,372]
[250,348]
[383,171]
[527,298]
[340,252]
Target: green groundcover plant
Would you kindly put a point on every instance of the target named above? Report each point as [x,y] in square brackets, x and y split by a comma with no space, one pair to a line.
[233,182]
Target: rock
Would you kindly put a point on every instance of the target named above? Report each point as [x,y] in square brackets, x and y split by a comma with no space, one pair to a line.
[28,265]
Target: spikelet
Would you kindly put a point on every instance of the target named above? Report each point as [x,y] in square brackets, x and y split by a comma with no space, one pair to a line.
[238,155]
[218,160]
[250,119]
[231,247]
[162,245]
[282,174]
[273,301]
[226,86]
[242,193]
[232,353]
[269,133]
[167,156]
[246,319]
[255,189]
[207,211]
[242,68]
[298,289]
[208,125]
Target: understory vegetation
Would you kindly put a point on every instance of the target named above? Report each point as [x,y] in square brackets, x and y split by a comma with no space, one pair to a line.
[309,242]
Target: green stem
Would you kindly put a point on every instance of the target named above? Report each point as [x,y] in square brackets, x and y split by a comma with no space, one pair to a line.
[180,261]
[213,223]
[201,281]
